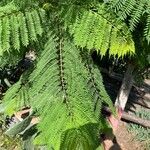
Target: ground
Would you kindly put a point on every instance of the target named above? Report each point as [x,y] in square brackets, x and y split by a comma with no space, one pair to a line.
[125,139]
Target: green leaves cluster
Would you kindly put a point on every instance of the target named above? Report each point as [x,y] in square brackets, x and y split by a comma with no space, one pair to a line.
[18,28]
[65,88]
[68,95]
[96,29]
[135,11]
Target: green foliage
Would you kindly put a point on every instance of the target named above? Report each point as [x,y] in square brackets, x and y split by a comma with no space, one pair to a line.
[134,12]
[11,106]
[18,28]
[147,29]
[77,138]
[96,29]
[65,88]
[54,90]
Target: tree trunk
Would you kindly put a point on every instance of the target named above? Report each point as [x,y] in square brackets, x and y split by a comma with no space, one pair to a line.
[125,89]
[135,119]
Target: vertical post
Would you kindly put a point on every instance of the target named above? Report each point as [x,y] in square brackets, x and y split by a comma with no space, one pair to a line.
[126,86]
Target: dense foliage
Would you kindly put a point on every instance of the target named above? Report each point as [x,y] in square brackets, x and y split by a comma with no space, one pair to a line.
[64,87]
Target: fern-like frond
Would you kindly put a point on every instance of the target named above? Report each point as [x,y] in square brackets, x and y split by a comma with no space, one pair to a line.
[1,49]
[10,99]
[65,89]
[136,15]
[147,28]
[126,9]
[93,28]
[19,27]
[5,34]
[55,81]
[116,4]
[23,29]
[94,31]
[16,97]
[95,84]
[69,14]
[62,90]
[132,11]
[122,7]
[30,25]
[37,22]
[77,138]
[15,32]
